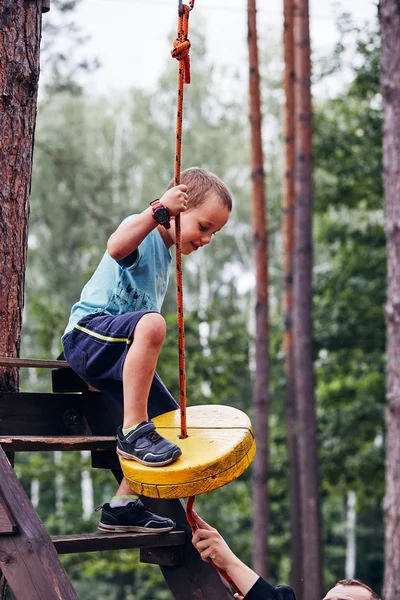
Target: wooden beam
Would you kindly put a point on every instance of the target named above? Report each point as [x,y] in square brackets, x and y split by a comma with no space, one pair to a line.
[37,363]
[30,414]
[66,380]
[95,542]
[71,443]
[106,460]
[167,556]
[28,559]
[103,416]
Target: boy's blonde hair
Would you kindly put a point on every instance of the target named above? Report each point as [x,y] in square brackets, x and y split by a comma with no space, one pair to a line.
[200,183]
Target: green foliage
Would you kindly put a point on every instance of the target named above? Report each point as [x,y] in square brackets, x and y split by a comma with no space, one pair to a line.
[349,327]
[61,61]
[96,161]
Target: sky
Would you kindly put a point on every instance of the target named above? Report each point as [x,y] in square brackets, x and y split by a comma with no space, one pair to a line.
[132,38]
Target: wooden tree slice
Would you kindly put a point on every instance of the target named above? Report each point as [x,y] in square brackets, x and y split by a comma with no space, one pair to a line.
[219,448]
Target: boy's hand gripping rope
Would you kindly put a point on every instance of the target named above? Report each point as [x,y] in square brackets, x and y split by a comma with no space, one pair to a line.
[181,53]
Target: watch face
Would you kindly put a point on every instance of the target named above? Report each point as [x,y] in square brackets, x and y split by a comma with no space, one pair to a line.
[161,215]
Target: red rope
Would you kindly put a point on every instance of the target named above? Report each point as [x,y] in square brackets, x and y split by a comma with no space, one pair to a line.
[181,53]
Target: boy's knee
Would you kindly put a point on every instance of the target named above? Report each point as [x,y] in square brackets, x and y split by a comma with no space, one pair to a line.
[152,328]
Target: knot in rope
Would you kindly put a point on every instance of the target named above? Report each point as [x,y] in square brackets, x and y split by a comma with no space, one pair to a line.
[182,44]
[181,53]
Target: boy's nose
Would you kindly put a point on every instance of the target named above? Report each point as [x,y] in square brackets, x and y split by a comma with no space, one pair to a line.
[205,239]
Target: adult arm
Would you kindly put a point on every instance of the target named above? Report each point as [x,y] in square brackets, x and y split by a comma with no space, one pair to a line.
[212,547]
[262,590]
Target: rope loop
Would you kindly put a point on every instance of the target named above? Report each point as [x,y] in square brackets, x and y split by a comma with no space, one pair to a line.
[181,43]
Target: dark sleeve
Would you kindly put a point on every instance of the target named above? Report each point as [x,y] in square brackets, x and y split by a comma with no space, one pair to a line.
[262,590]
[129,260]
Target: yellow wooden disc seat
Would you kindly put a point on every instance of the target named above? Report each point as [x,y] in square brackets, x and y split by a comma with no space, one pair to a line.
[219,448]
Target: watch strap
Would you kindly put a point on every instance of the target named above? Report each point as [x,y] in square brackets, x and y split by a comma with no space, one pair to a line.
[155,205]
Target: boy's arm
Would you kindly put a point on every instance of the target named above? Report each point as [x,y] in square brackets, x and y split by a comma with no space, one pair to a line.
[127,238]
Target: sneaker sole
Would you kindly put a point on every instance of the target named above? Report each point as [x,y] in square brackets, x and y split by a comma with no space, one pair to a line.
[132,529]
[175,456]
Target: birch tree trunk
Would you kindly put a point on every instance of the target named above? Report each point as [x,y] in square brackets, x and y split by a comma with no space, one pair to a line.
[260,252]
[302,311]
[288,208]
[351,535]
[389,16]
[20,33]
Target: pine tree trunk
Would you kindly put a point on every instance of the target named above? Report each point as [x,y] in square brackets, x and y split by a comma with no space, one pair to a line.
[20,34]
[302,312]
[288,207]
[389,15]
[19,73]
[261,380]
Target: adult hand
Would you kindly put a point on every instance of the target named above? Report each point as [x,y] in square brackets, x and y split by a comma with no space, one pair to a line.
[175,199]
[211,545]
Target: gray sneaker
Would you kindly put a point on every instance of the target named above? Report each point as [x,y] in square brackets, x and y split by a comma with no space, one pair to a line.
[146,446]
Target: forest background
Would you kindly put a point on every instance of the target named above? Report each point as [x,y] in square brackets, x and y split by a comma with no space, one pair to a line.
[98,159]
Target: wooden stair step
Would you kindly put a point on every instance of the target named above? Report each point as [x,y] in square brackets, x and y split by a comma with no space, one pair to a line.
[27,443]
[37,363]
[156,548]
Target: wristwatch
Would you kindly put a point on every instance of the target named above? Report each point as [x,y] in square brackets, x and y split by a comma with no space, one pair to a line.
[161,214]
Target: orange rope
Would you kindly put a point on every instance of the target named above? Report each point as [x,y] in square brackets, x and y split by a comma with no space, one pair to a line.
[194,526]
[181,53]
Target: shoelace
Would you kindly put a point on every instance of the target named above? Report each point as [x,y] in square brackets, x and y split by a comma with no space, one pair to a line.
[153,436]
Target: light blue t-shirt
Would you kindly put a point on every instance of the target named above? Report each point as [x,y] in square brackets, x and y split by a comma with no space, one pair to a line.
[115,288]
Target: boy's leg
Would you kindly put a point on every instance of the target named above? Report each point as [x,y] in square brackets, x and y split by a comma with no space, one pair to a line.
[105,347]
[139,367]
[138,440]
[100,363]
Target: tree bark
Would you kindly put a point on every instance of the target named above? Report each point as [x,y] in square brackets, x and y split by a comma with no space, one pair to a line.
[288,208]
[260,252]
[20,34]
[302,311]
[389,16]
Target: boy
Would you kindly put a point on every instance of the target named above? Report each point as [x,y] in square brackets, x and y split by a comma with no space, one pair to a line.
[115,332]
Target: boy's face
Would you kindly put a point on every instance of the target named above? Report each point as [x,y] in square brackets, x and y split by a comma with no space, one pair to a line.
[199,224]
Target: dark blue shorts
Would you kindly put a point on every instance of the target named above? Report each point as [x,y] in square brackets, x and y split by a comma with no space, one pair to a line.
[96,349]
